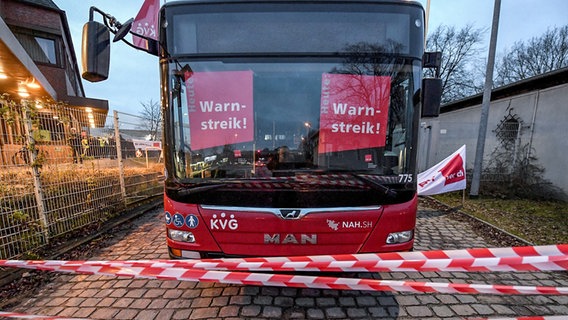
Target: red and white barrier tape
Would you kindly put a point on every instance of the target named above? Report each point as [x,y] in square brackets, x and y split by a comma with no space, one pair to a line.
[541,258]
[535,258]
[528,251]
[32,316]
[538,263]
[286,280]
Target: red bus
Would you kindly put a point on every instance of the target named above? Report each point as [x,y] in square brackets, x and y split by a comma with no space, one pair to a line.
[290,127]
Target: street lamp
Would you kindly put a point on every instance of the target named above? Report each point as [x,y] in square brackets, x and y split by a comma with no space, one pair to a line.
[308,126]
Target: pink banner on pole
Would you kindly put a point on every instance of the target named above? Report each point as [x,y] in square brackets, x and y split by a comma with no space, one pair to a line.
[146,23]
[354,112]
[220,106]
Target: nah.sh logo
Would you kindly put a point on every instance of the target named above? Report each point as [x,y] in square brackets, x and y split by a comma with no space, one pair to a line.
[454,170]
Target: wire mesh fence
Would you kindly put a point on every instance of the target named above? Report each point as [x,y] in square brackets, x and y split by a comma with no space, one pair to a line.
[63,168]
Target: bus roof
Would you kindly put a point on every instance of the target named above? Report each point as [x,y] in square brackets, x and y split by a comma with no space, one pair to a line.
[400,2]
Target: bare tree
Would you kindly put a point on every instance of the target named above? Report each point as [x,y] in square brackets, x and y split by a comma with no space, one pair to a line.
[151,118]
[537,56]
[460,55]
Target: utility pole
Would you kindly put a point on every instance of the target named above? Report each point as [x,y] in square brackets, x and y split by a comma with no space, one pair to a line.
[477,166]
[427,22]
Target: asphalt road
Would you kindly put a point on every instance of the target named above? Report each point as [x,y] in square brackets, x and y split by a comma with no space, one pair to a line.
[102,297]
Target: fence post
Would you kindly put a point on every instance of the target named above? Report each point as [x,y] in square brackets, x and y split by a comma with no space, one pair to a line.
[119,157]
[32,152]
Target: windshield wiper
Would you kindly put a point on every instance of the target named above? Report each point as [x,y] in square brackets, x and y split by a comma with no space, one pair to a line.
[200,188]
[375,184]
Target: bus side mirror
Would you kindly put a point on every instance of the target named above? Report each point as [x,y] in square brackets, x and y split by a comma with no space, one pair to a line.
[431,97]
[432,87]
[95,51]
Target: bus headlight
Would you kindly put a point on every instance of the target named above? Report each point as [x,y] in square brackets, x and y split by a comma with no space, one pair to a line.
[399,237]
[179,235]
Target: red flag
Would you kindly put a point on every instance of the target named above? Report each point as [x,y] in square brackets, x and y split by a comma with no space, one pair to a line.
[146,23]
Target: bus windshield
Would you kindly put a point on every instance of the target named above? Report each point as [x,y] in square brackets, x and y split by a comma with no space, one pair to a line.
[259,91]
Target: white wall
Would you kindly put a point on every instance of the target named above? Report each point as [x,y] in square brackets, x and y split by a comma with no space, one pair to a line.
[544,116]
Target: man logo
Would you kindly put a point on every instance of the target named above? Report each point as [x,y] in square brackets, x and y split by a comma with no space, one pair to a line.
[290,213]
[289,238]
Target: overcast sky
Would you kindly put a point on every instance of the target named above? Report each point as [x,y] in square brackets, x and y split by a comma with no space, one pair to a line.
[134,77]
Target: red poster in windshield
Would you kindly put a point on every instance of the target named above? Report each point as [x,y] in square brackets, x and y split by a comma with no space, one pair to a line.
[220,106]
[354,112]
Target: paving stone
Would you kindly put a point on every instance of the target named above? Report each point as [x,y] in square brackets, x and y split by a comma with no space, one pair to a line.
[366,301]
[240,300]
[289,292]
[154,293]
[463,310]
[220,301]
[56,301]
[427,299]
[84,312]
[315,314]
[419,311]
[408,301]
[229,311]
[272,312]
[182,314]
[325,302]
[270,291]
[249,291]
[89,302]
[443,311]
[122,302]
[101,313]
[346,301]
[68,312]
[305,302]
[201,302]
[176,293]
[502,310]
[101,297]
[482,309]
[147,314]
[250,311]
[335,313]
[356,313]
[232,291]
[158,303]
[387,301]
[310,293]
[211,292]
[379,312]
[297,314]
[205,313]
[135,293]
[284,301]
[165,314]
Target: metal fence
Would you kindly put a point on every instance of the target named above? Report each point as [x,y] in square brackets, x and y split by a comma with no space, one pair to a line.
[63,168]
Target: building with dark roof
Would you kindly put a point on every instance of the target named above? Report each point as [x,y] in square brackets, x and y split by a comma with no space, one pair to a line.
[527,120]
[37,59]
[42,100]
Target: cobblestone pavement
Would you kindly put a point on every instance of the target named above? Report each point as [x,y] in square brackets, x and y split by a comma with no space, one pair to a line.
[101,297]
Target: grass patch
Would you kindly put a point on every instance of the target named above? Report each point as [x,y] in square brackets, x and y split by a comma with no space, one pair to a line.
[539,222]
